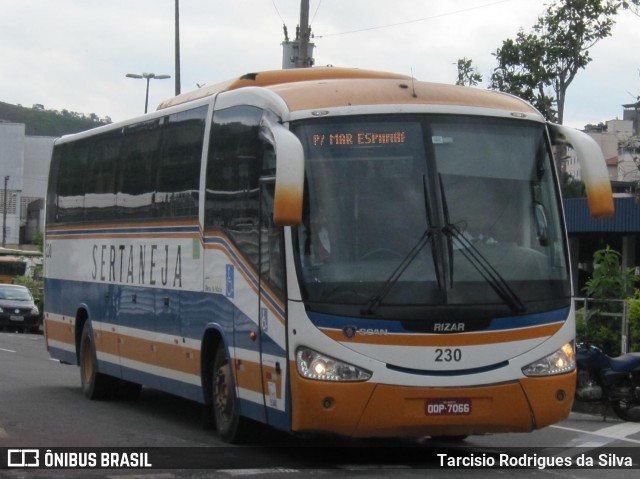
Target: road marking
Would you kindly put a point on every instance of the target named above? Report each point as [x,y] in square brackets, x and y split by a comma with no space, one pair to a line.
[3,433]
[166,475]
[256,472]
[7,350]
[616,432]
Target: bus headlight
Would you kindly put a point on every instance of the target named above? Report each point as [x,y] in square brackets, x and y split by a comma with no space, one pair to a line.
[560,362]
[313,365]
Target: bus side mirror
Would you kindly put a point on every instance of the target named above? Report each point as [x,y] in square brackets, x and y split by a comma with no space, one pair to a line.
[287,204]
[592,166]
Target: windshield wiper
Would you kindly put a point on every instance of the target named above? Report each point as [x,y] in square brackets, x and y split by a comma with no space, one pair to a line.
[376,299]
[477,260]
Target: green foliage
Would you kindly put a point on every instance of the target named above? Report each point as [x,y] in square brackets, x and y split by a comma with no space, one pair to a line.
[38,240]
[540,66]
[467,74]
[609,279]
[609,284]
[41,122]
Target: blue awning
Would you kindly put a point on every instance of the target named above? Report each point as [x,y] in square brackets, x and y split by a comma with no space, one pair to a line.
[625,220]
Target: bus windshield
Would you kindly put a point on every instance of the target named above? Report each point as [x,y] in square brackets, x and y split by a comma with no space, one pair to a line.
[438,211]
[11,267]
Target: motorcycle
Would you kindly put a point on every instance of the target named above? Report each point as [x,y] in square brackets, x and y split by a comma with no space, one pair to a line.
[609,381]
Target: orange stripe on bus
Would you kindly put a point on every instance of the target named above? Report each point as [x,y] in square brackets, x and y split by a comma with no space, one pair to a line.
[168,356]
[61,331]
[250,375]
[463,339]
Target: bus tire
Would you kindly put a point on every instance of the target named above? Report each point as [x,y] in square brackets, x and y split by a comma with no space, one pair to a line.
[230,426]
[95,385]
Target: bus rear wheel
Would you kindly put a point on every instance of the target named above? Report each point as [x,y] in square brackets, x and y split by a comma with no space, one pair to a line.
[95,385]
[231,427]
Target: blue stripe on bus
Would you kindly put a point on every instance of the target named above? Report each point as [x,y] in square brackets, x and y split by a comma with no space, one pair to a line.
[451,372]
[277,419]
[248,271]
[63,355]
[197,311]
[124,230]
[196,308]
[179,388]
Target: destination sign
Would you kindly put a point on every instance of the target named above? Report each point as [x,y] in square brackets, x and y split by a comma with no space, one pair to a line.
[360,138]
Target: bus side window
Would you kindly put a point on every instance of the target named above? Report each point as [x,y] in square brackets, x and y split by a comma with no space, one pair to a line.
[100,191]
[72,173]
[136,188]
[178,180]
[233,171]
[271,242]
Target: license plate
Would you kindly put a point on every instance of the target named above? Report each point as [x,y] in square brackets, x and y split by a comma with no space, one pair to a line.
[448,407]
[16,318]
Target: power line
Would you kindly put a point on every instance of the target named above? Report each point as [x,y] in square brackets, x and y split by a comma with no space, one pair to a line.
[379,27]
[278,11]
[315,13]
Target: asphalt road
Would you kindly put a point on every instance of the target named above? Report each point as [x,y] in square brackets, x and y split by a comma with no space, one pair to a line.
[42,408]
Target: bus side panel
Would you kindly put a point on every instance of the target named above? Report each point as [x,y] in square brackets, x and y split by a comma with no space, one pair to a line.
[59,327]
[256,325]
[275,369]
[64,302]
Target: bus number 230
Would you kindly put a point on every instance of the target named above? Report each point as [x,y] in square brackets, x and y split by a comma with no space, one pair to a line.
[448,355]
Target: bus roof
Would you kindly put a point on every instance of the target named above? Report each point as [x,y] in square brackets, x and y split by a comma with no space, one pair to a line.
[325,87]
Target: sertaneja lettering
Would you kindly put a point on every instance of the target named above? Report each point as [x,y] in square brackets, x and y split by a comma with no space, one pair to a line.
[143,265]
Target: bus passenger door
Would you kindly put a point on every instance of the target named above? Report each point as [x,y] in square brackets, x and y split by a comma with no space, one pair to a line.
[272,309]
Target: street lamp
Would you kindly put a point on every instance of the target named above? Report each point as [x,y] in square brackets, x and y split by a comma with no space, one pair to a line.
[147,76]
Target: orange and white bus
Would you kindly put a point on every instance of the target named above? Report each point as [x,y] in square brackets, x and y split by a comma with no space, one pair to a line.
[322,250]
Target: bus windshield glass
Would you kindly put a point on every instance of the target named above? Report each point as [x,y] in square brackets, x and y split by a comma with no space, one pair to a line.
[439,211]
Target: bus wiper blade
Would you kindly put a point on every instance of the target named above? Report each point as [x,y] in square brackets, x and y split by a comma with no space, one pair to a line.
[486,269]
[376,299]
[477,260]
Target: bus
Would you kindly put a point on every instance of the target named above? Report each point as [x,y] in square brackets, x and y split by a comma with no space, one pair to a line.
[322,250]
[15,263]
[11,267]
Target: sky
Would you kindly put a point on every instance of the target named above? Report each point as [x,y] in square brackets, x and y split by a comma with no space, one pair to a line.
[74,54]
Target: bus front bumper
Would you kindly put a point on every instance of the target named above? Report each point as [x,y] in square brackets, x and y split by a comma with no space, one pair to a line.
[379,410]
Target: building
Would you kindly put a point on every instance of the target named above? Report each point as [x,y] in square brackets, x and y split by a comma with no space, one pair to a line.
[630,113]
[24,167]
[620,145]
[587,235]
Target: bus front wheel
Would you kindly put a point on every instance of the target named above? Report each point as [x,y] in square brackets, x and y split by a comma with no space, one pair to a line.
[94,384]
[231,427]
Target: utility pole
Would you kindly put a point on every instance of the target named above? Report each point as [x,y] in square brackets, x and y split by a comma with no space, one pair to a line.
[303,60]
[177,48]
[299,53]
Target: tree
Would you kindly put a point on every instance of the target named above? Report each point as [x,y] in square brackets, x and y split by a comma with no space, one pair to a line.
[467,74]
[632,5]
[609,282]
[570,187]
[541,65]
